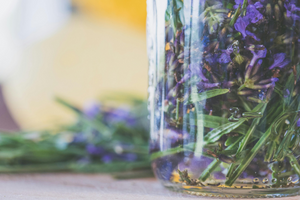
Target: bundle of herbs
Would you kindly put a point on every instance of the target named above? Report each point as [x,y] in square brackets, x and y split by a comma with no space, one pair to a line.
[232,90]
[104,139]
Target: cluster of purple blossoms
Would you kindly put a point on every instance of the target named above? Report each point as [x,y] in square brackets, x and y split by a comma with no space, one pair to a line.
[292,11]
[252,16]
[238,56]
[111,120]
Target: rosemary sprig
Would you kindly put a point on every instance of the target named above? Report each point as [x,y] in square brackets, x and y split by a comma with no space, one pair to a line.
[259,108]
[249,157]
[213,165]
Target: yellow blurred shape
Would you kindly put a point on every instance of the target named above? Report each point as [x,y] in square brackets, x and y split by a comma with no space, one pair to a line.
[85,59]
[175,177]
[132,12]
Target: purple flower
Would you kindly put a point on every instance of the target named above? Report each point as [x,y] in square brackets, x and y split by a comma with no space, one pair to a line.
[92,109]
[290,9]
[257,66]
[294,8]
[258,5]
[280,61]
[197,70]
[79,138]
[253,14]
[298,123]
[238,2]
[252,35]
[121,115]
[94,150]
[224,58]
[205,86]
[278,58]
[273,80]
[258,51]
[286,93]
[241,25]
[293,16]
[107,158]
[184,78]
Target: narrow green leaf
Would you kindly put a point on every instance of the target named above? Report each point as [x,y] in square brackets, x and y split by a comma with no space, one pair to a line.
[289,87]
[283,147]
[179,149]
[196,97]
[206,173]
[246,161]
[213,165]
[210,121]
[231,140]
[260,108]
[235,16]
[215,134]
[270,151]
[294,163]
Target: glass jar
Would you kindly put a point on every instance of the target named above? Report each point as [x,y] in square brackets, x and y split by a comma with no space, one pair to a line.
[224,96]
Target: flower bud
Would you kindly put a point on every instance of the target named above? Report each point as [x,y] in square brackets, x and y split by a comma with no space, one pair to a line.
[269,10]
[280,4]
[277,12]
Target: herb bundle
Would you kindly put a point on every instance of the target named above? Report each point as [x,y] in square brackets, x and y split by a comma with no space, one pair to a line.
[104,139]
[232,93]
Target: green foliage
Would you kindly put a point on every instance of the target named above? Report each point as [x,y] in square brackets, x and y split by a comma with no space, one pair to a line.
[67,148]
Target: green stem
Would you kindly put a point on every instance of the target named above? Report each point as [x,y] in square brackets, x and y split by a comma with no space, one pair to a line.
[235,17]
[245,104]
[241,87]
[243,144]
[286,174]
[248,135]
[206,173]
[177,109]
[294,163]
[245,162]
[244,6]
[279,156]
[270,151]
[231,169]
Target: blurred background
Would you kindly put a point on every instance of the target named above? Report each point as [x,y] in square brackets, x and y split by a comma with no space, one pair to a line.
[78,50]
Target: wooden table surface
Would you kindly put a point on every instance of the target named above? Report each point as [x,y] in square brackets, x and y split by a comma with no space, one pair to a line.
[85,186]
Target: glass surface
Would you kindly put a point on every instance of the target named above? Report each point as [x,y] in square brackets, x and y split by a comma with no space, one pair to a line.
[224,96]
